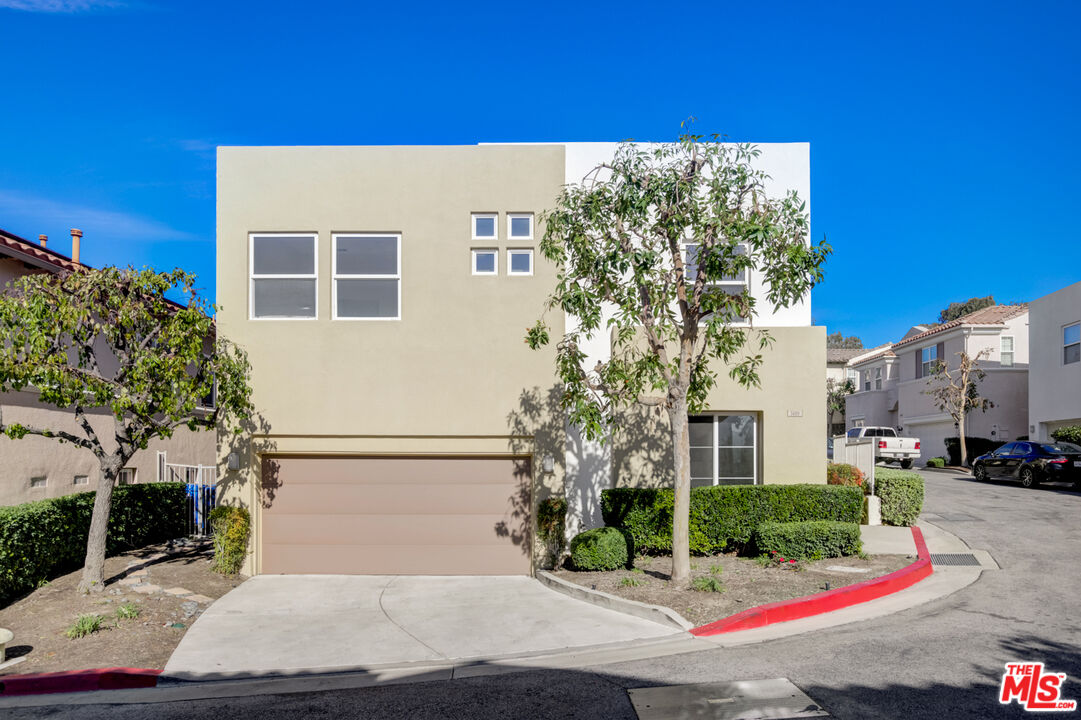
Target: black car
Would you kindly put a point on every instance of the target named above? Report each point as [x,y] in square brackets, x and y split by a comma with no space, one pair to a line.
[1031,463]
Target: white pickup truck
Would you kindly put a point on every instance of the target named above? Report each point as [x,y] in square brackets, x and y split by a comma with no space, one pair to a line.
[889,446]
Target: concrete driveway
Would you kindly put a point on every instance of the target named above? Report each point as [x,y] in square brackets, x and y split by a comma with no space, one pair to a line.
[301,622]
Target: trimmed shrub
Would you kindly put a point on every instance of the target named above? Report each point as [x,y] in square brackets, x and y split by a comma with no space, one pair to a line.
[811,540]
[936,462]
[551,526]
[47,538]
[605,548]
[844,474]
[902,496]
[1070,433]
[231,527]
[974,447]
[724,516]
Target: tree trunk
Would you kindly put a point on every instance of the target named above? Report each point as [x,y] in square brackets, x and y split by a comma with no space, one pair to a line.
[961,433]
[681,512]
[94,565]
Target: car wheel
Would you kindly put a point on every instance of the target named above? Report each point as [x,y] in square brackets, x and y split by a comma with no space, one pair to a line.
[1028,477]
[906,464]
[979,472]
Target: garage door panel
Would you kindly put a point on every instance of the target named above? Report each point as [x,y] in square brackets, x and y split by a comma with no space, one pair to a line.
[376,530]
[390,499]
[384,515]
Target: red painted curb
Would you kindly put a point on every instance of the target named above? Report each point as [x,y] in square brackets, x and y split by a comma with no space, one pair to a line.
[827,601]
[78,681]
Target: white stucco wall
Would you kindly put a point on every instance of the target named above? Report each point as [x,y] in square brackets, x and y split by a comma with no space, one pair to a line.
[1054,395]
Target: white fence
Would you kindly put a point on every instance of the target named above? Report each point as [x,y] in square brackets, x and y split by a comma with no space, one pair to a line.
[201,481]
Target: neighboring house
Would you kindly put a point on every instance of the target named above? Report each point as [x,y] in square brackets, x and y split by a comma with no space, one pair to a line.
[838,371]
[383,294]
[35,468]
[893,380]
[1054,379]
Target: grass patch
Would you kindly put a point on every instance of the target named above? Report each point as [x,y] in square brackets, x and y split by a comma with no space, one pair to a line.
[630,582]
[707,584]
[83,626]
[127,611]
[716,569]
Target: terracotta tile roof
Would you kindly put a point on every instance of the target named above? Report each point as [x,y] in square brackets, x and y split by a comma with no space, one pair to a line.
[14,246]
[840,355]
[885,350]
[994,315]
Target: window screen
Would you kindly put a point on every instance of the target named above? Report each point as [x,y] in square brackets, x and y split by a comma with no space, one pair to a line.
[283,276]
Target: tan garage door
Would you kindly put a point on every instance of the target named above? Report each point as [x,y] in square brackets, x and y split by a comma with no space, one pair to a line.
[395,516]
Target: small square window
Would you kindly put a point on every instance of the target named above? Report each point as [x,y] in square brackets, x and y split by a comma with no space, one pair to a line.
[485,261]
[39,482]
[519,262]
[80,480]
[520,226]
[484,226]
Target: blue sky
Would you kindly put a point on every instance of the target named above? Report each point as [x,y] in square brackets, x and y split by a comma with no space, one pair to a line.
[943,138]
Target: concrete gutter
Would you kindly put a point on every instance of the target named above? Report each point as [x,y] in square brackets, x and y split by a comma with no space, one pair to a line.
[655,613]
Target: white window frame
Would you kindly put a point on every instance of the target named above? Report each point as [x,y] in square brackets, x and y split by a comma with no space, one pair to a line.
[516,238]
[927,365]
[473,259]
[494,237]
[85,480]
[717,447]
[252,276]
[335,277]
[1003,352]
[853,375]
[519,251]
[878,378]
[44,482]
[1064,343]
[133,473]
[724,283]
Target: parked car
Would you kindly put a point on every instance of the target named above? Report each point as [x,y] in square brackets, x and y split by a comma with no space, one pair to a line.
[889,446]
[1031,463]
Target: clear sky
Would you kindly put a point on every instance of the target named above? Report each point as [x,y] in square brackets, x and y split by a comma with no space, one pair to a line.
[944,162]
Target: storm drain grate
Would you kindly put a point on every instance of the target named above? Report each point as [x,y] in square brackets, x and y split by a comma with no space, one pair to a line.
[954,559]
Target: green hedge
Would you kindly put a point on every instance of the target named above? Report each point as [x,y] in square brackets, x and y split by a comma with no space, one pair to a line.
[231,527]
[725,516]
[1070,433]
[605,548]
[936,462]
[902,495]
[811,540]
[43,539]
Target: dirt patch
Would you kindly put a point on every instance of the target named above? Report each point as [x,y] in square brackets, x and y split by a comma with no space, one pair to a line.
[745,583]
[40,619]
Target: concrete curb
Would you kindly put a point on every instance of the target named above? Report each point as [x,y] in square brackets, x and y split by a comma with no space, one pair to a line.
[78,681]
[948,469]
[827,601]
[654,613]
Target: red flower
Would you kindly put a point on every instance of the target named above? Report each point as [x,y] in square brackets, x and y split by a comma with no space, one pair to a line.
[791,561]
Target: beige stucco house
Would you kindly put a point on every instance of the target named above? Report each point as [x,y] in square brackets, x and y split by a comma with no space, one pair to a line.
[837,372]
[35,468]
[894,379]
[1054,390]
[383,294]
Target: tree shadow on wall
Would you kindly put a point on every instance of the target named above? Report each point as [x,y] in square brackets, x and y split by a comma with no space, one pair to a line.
[251,441]
[642,447]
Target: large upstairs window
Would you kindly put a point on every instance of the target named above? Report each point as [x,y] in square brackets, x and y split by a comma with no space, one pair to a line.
[283,278]
[1071,344]
[367,276]
[928,358]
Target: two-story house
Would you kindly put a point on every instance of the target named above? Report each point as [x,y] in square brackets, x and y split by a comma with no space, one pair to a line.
[905,369]
[838,372]
[35,468]
[383,294]
[1054,378]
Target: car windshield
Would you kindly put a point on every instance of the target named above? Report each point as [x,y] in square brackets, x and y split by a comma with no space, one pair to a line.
[1062,447]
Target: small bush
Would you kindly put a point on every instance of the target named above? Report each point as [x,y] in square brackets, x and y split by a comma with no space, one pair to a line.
[902,496]
[231,527]
[724,516]
[551,526]
[83,626]
[630,582]
[936,462]
[706,583]
[128,611]
[843,474]
[716,569]
[605,548]
[1070,433]
[812,540]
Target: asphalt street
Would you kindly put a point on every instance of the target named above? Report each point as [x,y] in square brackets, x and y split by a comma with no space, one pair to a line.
[943,659]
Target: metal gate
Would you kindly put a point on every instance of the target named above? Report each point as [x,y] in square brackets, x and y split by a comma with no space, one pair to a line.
[201,482]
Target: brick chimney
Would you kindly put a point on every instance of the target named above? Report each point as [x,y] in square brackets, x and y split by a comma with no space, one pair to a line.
[43,240]
[76,234]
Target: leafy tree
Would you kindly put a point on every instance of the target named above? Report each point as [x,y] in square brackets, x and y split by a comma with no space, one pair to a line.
[836,392]
[958,309]
[837,341]
[639,245]
[109,340]
[955,392]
